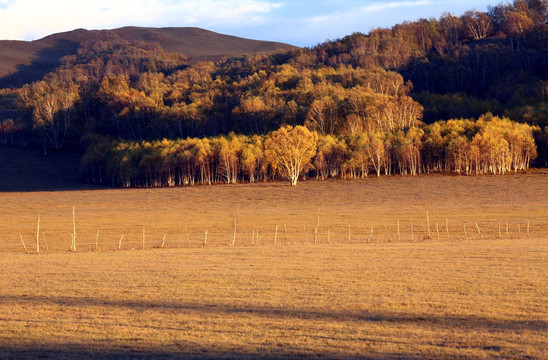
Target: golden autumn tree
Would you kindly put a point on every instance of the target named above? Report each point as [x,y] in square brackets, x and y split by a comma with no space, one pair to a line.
[290,150]
[375,147]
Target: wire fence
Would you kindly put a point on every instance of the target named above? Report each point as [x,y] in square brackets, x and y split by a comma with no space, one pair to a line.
[292,232]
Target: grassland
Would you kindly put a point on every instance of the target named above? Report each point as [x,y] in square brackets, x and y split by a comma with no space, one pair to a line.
[491,202]
[462,300]
[456,296]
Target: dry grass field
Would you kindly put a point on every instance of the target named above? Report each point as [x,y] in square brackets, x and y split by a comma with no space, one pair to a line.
[367,295]
[463,300]
[183,215]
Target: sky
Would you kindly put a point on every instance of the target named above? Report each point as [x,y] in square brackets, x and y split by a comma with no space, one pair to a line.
[297,22]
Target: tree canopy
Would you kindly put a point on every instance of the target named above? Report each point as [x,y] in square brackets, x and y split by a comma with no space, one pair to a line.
[383,102]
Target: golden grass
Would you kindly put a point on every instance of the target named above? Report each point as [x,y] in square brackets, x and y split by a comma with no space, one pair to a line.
[449,298]
[468,299]
[516,200]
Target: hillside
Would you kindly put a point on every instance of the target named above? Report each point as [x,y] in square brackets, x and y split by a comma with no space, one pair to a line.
[23,61]
[427,96]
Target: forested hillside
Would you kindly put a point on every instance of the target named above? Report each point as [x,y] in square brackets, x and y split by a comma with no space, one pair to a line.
[465,94]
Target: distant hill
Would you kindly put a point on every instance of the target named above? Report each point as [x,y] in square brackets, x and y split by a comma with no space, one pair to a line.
[25,61]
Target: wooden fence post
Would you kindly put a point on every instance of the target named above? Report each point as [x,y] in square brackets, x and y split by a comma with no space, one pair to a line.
[43,235]
[428,224]
[24,246]
[388,233]
[234,237]
[187,236]
[73,229]
[316,228]
[479,232]
[349,235]
[38,236]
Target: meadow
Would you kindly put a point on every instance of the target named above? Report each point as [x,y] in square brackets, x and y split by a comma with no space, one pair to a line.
[314,289]
[454,207]
[464,300]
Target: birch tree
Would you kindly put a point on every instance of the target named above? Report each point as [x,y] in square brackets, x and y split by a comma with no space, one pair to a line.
[290,150]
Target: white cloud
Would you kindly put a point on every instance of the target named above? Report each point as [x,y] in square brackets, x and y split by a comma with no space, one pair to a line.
[299,22]
[352,16]
[4,4]
[381,6]
[359,12]
[31,19]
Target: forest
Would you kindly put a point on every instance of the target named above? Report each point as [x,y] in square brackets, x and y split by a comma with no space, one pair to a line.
[462,94]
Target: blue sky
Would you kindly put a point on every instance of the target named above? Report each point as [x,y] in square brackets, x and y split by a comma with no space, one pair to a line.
[302,23]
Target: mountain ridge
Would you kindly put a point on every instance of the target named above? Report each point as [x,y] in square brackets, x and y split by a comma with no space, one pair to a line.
[26,61]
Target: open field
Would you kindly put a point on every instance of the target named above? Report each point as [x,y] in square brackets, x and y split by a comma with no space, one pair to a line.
[466,300]
[453,296]
[454,203]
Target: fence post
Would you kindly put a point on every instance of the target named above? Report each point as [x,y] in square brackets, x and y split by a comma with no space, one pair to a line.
[234,237]
[479,232]
[428,224]
[38,236]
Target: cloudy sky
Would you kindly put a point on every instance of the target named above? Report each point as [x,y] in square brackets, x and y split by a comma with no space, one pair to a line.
[298,22]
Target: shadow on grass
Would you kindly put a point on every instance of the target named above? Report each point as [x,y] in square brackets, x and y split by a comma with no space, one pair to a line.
[79,351]
[443,321]
[27,170]
[184,349]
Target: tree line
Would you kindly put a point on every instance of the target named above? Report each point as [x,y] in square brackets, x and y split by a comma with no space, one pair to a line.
[488,145]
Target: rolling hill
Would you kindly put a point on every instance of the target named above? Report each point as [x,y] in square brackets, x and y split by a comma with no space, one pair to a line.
[25,61]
